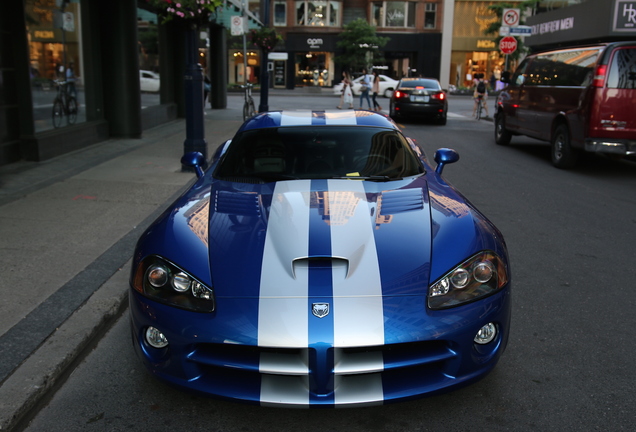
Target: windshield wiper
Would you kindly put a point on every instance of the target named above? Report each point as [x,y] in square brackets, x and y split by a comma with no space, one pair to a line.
[376,178]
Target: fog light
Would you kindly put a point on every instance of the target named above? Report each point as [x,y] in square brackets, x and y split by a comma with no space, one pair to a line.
[486,334]
[155,338]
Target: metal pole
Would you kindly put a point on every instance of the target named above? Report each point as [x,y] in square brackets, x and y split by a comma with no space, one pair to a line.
[264,102]
[244,43]
[195,141]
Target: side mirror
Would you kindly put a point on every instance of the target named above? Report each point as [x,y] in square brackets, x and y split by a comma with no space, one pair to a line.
[194,160]
[445,156]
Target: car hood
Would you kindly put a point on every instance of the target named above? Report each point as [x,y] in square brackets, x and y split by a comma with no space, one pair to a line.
[319,239]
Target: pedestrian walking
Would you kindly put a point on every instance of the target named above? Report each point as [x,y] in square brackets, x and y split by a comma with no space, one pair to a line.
[376,90]
[365,87]
[347,95]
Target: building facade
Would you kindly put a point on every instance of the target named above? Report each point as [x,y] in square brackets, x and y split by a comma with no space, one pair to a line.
[310,29]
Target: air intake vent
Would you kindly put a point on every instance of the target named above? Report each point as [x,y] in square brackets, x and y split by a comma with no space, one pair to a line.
[403,200]
[244,204]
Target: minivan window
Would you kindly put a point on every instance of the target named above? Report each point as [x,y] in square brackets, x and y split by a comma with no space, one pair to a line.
[572,68]
[622,73]
[519,78]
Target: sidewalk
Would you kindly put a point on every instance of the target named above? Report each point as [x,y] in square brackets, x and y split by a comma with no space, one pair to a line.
[68,228]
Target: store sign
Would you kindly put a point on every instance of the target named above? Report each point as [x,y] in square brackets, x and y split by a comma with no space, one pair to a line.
[485,44]
[314,43]
[625,16]
[44,34]
[553,26]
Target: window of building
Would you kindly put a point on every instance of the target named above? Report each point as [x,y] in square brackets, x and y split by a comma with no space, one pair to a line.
[56,62]
[280,13]
[393,14]
[430,15]
[318,13]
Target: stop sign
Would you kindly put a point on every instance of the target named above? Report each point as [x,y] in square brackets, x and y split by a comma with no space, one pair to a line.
[508,45]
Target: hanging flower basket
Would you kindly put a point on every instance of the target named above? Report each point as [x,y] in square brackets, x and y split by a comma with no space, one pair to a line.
[265,38]
[195,11]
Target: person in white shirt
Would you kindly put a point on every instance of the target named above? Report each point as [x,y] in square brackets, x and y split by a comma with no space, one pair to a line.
[366,86]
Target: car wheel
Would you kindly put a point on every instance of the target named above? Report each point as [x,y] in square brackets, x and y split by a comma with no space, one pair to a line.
[563,155]
[388,93]
[442,120]
[502,135]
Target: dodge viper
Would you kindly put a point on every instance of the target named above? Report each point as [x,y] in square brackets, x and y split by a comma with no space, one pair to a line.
[320,259]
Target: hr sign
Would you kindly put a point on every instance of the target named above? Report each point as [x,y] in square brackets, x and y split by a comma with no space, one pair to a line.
[625,16]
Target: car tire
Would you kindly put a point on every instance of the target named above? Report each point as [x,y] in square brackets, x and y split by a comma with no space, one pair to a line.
[388,93]
[563,155]
[442,120]
[502,135]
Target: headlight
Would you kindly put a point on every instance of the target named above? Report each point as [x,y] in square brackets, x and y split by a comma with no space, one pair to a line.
[164,282]
[477,277]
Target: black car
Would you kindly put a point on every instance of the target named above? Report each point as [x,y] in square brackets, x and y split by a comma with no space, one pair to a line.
[419,97]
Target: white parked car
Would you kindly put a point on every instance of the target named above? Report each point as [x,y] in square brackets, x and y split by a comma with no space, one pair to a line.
[149,81]
[387,85]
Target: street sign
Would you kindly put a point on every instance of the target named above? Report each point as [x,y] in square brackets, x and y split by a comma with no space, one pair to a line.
[520,30]
[510,17]
[504,31]
[508,45]
[68,22]
[237,25]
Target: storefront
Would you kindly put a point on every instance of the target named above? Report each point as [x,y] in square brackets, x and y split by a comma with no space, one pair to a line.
[473,51]
[310,59]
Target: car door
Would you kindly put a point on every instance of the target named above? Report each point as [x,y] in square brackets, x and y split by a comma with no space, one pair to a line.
[513,99]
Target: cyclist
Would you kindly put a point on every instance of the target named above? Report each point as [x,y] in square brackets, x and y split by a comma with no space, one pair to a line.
[480,93]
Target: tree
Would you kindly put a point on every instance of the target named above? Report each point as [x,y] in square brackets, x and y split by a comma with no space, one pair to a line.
[493,29]
[360,45]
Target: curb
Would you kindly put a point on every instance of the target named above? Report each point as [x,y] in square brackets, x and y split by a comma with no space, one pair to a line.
[49,366]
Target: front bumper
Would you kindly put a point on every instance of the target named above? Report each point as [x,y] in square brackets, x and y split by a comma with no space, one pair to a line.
[215,354]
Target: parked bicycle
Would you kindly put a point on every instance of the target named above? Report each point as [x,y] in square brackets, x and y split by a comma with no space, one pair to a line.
[64,104]
[248,107]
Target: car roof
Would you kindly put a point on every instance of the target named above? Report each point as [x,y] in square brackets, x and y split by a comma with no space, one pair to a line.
[328,118]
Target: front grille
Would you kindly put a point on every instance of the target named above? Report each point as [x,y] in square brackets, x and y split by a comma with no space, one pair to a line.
[331,375]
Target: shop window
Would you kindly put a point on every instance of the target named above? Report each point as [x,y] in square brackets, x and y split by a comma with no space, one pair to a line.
[148,44]
[429,15]
[393,14]
[280,13]
[55,62]
[318,13]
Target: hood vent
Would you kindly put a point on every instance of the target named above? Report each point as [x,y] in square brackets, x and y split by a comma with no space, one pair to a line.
[237,203]
[403,200]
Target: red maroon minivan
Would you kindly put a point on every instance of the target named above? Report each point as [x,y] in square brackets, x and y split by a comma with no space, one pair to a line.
[578,99]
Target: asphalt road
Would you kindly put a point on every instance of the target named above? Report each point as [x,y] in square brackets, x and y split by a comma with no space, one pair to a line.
[568,365]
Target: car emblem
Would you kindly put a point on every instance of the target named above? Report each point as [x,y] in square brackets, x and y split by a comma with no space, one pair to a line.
[320,310]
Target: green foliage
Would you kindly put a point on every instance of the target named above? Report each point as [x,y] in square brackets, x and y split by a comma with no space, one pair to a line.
[360,45]
[493,29]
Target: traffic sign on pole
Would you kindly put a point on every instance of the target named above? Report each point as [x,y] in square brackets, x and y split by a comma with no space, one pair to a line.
[508,45]
[510,17]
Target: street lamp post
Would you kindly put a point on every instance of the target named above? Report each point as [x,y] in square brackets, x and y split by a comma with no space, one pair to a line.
[264,102]
[195,133]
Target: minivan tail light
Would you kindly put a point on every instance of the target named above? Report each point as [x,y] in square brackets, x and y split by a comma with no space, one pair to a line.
[599,76]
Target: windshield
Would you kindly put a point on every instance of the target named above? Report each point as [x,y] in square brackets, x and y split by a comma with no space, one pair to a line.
[320,152]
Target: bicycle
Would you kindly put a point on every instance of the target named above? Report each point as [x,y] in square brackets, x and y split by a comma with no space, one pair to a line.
[248,107]
[480,106]
[64,104]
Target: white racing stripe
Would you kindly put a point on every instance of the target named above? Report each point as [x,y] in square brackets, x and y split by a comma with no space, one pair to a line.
[282,309]
[296,118]
[357,302]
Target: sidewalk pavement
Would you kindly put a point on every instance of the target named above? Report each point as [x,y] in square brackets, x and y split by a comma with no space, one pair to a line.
[68,228]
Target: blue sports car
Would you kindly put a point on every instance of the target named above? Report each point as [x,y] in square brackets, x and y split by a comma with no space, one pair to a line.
[320,260]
